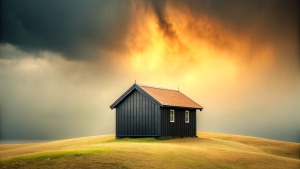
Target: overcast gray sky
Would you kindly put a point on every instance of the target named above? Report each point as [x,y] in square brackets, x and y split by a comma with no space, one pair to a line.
[63,63]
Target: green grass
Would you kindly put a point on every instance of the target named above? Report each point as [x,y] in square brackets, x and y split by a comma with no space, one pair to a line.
[142,140]
[56,155]
[135,140]
[168,137]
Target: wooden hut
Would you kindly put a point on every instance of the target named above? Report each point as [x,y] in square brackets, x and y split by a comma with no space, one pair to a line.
[146,111]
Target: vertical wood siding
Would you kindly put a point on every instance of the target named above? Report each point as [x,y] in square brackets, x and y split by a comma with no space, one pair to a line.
[179,127]
[136,115]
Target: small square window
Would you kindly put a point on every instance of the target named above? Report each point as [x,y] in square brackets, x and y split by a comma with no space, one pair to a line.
[187,116]
[172,116]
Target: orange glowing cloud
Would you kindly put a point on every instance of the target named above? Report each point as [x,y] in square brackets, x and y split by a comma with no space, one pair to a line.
[190,48]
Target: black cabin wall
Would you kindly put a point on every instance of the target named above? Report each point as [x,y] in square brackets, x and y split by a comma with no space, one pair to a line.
[137,116]
[179,127]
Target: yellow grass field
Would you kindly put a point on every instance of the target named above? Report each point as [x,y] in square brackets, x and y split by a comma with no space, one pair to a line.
[207,151]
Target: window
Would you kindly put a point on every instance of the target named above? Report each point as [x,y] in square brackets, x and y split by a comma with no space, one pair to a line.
[187,116]
[172,116]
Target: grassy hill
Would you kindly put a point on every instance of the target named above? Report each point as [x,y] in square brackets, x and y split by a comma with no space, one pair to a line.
[207,151]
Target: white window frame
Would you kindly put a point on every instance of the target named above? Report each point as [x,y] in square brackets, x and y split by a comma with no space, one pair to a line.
[187,116]
[172,115]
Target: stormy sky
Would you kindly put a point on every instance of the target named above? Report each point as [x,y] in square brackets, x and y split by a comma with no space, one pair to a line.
[63,63]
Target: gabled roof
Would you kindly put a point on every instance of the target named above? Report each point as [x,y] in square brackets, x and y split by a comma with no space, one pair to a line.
[163,97]
[169,97]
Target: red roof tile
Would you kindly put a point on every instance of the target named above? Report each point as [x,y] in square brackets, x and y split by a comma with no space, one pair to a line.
[169,97]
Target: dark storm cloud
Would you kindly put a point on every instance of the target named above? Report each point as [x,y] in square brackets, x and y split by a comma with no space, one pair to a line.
[80,30]
[159,8]
[270,18]
[72,28]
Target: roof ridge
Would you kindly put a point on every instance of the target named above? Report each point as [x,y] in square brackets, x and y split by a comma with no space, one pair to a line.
[157,87]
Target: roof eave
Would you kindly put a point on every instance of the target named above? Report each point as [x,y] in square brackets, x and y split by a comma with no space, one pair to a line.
[194,102]
[200,108]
